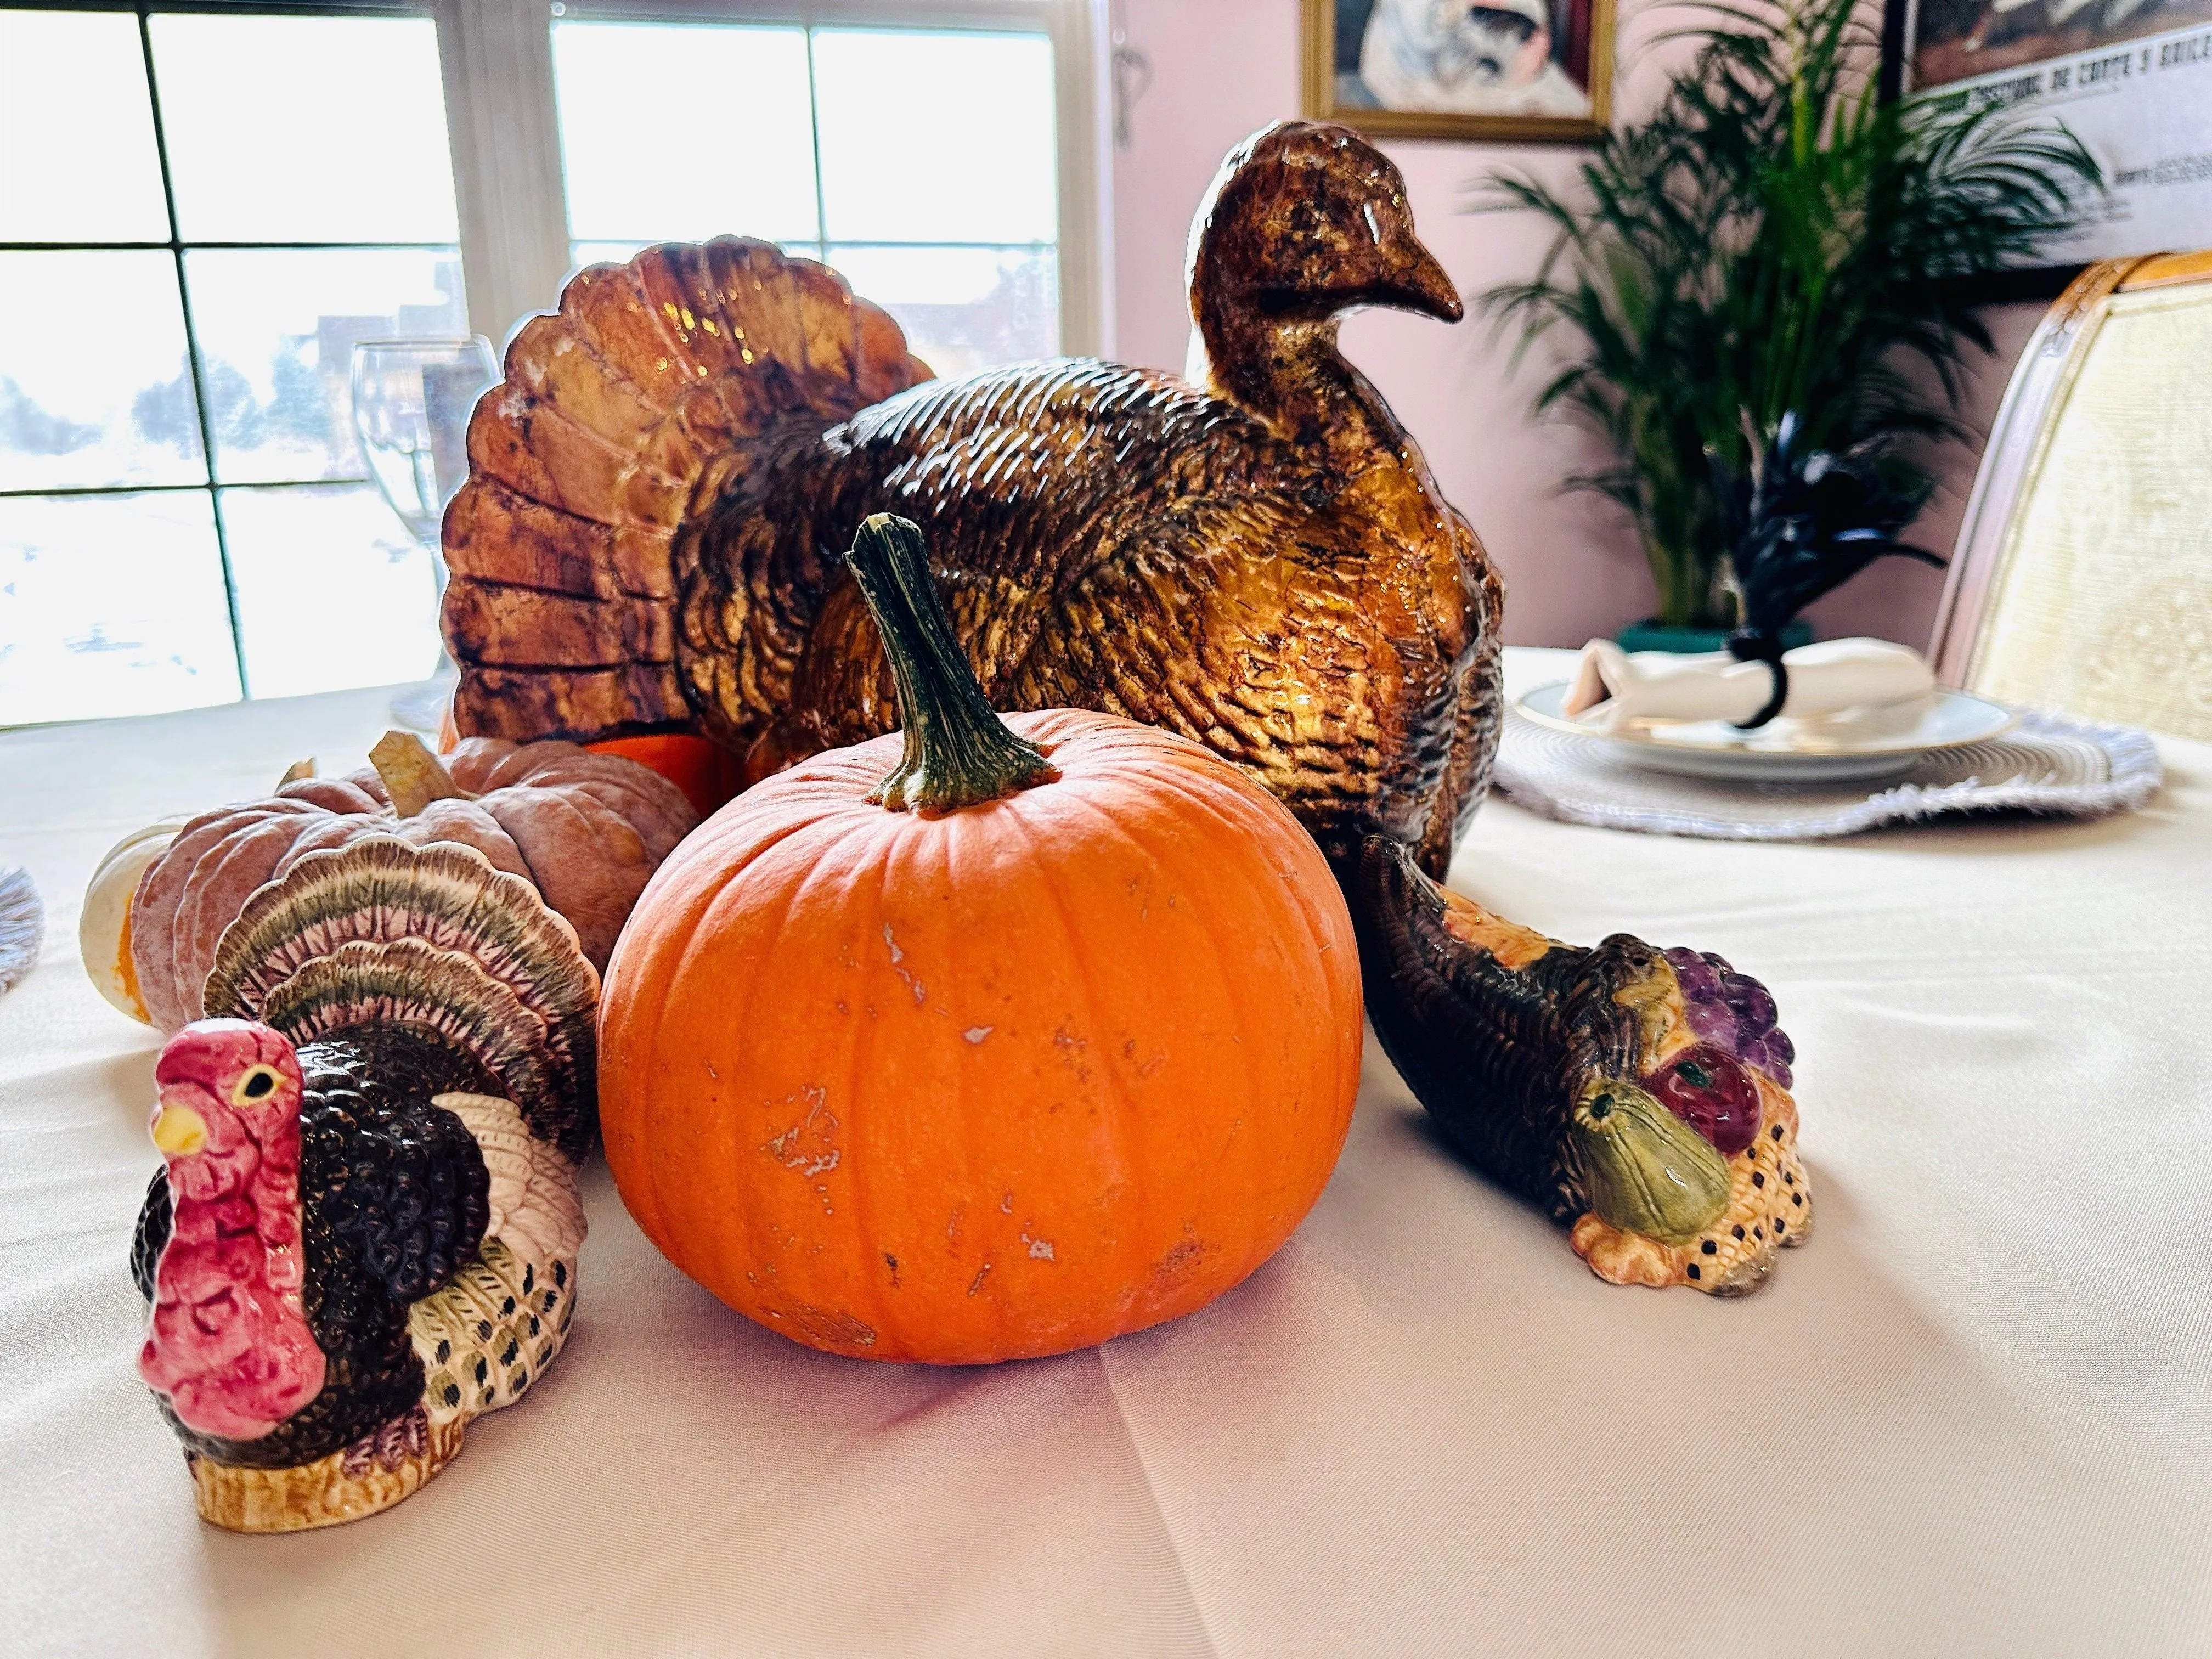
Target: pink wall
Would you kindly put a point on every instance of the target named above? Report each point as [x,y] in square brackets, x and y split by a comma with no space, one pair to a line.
[1572,567]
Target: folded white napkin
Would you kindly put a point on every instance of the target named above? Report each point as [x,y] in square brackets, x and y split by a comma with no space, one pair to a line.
[1611,687]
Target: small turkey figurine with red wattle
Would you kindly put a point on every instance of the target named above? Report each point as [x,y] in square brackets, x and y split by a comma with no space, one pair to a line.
[365,1231]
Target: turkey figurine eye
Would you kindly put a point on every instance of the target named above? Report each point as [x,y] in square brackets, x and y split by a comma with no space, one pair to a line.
[256,1086]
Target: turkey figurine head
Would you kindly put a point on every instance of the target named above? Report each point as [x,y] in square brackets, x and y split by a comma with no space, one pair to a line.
[1305,221]
[228,1340]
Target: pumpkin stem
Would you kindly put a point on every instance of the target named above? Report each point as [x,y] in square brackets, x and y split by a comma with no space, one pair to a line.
[958,751]
[413,776]
[297,772]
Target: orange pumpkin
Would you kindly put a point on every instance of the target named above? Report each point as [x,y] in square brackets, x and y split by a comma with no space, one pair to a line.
[1067,1051]
[706,772]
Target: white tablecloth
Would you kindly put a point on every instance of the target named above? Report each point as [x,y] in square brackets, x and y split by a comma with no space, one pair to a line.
[1973,1415]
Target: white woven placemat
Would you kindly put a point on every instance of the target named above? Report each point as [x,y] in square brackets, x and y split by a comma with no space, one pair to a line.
[2045,763]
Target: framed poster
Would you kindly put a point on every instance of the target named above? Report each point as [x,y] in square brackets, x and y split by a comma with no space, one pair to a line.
[1512,70]
[2132,79]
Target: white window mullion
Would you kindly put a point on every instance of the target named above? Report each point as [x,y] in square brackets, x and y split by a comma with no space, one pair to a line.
[496,57]
[501,112]
[1086,161]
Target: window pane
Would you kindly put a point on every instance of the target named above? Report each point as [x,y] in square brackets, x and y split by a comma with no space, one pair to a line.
[963,308]
[936,138]
[678,132]
[93,385]
[77,162]
[305,129]
[332,592]
[111,604]
[276,331]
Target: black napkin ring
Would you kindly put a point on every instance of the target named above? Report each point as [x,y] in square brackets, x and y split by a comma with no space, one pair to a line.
[1747,645]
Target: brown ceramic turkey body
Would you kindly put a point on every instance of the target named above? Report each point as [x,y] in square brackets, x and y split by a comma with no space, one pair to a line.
[1255,555]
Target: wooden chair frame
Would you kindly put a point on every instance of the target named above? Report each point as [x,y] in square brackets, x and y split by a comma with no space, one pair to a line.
[2021,435]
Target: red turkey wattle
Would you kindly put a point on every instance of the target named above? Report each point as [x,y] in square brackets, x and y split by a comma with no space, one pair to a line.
[227,1339]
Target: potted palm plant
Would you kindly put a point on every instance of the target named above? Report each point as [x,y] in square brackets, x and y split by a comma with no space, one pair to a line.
[1776,242]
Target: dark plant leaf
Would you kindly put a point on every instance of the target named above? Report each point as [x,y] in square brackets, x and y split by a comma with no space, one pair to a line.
[1802,522]
[1775,240]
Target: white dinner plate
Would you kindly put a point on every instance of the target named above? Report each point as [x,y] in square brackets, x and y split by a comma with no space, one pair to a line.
[1860,742]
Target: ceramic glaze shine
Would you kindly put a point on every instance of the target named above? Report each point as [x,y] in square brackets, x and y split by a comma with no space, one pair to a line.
[226,1341]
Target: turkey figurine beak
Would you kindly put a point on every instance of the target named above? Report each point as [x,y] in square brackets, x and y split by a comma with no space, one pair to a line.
[178,1130]
[1417,282]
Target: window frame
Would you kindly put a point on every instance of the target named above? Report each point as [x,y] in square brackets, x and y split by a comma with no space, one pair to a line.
[496,62]
[177,247]
[497,59]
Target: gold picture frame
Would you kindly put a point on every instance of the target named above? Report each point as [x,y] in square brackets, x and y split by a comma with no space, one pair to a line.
[1331,25]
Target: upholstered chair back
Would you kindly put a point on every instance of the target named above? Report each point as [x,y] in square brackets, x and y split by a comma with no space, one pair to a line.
[2083,576]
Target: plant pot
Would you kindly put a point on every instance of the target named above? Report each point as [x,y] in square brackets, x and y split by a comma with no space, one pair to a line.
[1651,635]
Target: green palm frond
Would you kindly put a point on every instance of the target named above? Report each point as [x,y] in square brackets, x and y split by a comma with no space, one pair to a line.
[1776,238]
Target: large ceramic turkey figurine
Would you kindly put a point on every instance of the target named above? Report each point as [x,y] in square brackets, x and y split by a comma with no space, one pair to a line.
[1255,555]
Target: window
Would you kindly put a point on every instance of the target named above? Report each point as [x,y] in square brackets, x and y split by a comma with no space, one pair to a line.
[184,267]
[203,210]
[862,148]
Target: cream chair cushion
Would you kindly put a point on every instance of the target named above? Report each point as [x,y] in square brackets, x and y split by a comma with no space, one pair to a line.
[2101,600]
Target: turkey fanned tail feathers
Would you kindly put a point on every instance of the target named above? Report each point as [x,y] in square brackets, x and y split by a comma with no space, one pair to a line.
[659,384]
[384,934]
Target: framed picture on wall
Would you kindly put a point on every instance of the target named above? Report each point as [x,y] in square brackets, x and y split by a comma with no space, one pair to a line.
[2132,79]
[1511,70]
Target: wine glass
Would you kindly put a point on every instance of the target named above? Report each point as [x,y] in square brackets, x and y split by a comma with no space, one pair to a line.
[411,401]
